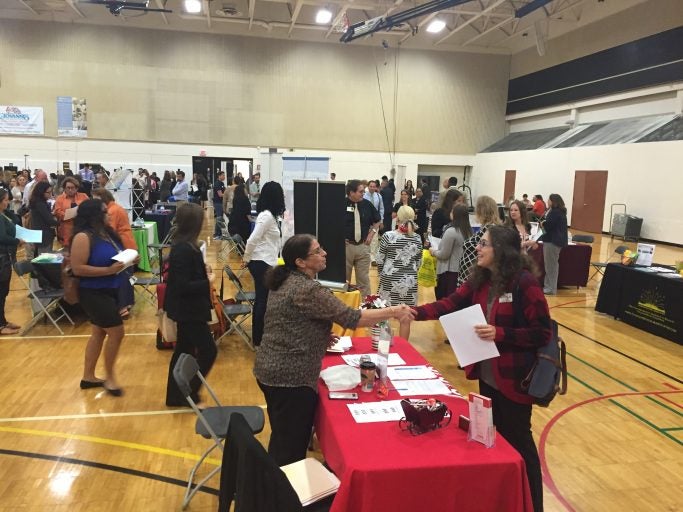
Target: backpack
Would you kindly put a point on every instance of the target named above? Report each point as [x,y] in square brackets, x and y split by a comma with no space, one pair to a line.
[548,375]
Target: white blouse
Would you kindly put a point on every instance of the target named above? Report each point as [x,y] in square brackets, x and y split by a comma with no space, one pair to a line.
[264,241]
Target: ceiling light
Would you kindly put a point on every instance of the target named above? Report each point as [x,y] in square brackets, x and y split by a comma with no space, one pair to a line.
[436,26]
[193,6]
[323,16]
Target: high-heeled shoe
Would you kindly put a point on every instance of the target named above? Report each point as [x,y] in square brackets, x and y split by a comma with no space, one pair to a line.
[113,391]
[89,384]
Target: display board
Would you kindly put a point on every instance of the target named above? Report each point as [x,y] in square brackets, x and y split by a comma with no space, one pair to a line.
[319,210]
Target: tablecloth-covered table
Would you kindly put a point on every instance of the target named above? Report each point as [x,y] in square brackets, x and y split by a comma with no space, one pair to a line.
[575,262]
[383,468]
[143,237]
[648,300]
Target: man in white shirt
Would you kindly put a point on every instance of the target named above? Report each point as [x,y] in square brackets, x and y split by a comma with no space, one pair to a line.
[372,194]
[255,187]
[39,176]
[181,188]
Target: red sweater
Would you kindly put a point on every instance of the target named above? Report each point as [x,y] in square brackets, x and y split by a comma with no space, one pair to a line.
[517,344]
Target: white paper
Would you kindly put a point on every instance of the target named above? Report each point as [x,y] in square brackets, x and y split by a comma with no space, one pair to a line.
[70,213]
[421,387]
[374,412]
[354,360]
[343,344]
[645,254]
[434,242]
[126,257]
[466,345]
[410,372]
[31,236]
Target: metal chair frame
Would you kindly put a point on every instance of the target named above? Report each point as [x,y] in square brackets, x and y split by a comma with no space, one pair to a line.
[212,422]
[52,296]
[600,266]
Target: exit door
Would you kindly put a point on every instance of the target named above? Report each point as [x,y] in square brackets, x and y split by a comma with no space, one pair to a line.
[588,205]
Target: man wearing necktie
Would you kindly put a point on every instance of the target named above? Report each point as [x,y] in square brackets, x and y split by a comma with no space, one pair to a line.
[372,195]
[361,224]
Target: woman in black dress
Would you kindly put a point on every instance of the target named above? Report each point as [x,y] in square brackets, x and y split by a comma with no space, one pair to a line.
[188,301]
[41,216]
[239,223]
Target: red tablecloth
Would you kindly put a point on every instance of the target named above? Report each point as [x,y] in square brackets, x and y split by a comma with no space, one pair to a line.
[383,468]
[575,262]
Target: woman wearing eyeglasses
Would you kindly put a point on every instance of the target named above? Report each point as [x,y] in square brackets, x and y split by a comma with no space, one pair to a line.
[70,198]
[296,335]
[518,322]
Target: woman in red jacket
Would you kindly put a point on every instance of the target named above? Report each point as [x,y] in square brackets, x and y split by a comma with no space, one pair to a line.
[500,278]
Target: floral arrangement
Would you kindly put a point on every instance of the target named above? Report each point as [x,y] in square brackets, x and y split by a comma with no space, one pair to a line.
[374,302]
[629,257]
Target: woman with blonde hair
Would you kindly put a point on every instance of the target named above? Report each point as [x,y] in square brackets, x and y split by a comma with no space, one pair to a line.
[398,260]
[486,213]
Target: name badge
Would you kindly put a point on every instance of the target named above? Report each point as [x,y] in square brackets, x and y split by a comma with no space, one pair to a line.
[506,297]
[350,209]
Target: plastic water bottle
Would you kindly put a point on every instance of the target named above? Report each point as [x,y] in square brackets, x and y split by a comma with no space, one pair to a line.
[569,237]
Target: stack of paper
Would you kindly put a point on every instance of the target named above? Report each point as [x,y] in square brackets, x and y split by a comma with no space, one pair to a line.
[342,345]
[311,480]
[126,257]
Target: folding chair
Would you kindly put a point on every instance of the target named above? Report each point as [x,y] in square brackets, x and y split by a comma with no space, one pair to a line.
[44,299]
[145,284]
[252,478]
[212,422]
[600,266]
[232,244]
[242,295]
[583,239]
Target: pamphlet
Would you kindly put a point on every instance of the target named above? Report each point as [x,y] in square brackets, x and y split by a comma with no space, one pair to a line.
[70,213]
[481,420]
[645,254]
[30,236]
[374,412]
[127,257]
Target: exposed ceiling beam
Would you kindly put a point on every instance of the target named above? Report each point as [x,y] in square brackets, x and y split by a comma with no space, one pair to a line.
[392,8]
[71,4]
[519,31]
[23,2]
[295,14]
[469,22]
[207,10]
[488,30]
[252,6]
[422,23]
[336,20]
[160,5]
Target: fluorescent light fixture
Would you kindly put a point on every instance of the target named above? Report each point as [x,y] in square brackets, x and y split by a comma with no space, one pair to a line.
[323,16]
[436,26]
[193,6]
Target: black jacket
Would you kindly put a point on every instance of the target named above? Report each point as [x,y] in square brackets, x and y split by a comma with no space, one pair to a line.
[239,223]
[555,227]
[42,219]
[187,292]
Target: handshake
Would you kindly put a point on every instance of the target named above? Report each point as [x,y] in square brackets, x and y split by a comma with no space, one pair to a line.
[403,313]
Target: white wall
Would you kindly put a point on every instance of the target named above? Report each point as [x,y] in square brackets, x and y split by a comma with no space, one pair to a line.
[647,177]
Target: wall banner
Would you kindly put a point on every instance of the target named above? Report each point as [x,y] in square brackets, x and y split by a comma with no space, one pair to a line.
[21,120]
[72,117]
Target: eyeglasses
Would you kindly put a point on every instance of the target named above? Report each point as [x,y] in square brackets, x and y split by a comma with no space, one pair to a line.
[318,250]
[484,243]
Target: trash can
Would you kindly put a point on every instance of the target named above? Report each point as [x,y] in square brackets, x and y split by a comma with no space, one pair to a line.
[626,226]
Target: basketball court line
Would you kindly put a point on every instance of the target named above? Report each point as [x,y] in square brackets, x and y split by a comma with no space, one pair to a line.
[110,442]
[56,336]
[107,467]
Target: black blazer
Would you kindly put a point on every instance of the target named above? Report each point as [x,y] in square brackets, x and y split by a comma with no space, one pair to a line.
[555,227]
[42,219]
[187,291]
[239,223]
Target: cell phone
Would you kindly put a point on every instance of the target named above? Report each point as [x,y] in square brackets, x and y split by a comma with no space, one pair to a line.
[337,395]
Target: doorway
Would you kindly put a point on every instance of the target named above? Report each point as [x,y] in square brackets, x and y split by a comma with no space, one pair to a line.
[588,204]
[509,187]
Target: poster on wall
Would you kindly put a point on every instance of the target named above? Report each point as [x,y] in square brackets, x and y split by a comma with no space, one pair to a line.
[21,120]
[72,117]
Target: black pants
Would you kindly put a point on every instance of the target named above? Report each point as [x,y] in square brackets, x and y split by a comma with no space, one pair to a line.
[446,283]
[291,412]
[258,269]
[5,279]
[513,422]
[194,338]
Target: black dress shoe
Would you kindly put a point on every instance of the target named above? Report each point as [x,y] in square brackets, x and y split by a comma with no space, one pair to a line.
[89,384]
[113,391]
